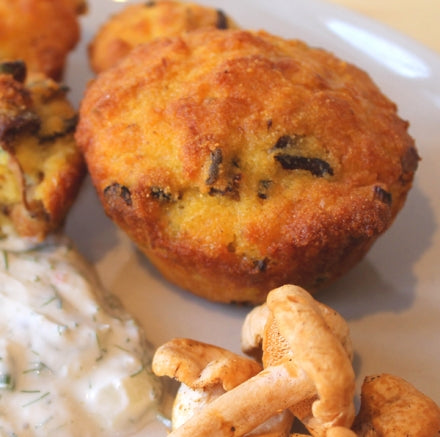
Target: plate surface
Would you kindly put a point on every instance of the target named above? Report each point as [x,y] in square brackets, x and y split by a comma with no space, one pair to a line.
[392,298]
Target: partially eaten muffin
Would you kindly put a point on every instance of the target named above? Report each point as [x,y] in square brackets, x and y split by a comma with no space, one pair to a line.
[41,168]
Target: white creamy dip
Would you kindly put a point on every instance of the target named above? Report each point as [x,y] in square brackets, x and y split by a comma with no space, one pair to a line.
[72,363]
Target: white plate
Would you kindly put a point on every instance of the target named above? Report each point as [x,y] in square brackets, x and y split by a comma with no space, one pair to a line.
[392,298]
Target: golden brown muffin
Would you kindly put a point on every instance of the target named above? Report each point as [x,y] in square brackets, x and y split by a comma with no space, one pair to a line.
[241,161]
[40,166]
[141,23]
[39,32]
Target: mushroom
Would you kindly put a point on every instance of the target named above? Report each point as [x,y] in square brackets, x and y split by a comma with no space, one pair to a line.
[206,373]
[252,331]
[303,334]
[253,328]
[392,407]
[307,370]
[306,352]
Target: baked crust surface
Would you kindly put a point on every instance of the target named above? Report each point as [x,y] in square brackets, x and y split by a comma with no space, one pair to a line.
[239,161]
[141,23]
[39,32]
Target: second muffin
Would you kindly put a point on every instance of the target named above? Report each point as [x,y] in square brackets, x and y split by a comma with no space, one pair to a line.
[143,22]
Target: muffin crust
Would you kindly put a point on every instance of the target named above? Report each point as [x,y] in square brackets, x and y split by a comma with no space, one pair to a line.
[239,161]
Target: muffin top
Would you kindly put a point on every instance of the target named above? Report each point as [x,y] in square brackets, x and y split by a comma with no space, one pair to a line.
[245,146]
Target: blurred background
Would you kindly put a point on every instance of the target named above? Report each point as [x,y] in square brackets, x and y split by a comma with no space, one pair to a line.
[417,19]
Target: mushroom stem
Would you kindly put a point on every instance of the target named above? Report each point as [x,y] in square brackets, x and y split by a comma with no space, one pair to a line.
[248,405]
[319,353]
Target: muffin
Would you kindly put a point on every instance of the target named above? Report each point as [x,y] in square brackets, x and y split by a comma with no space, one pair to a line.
[141,23]
[40,33]
[41,168]
[239,161]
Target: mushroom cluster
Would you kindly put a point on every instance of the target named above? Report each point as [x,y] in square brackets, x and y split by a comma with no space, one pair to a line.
[301,367]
